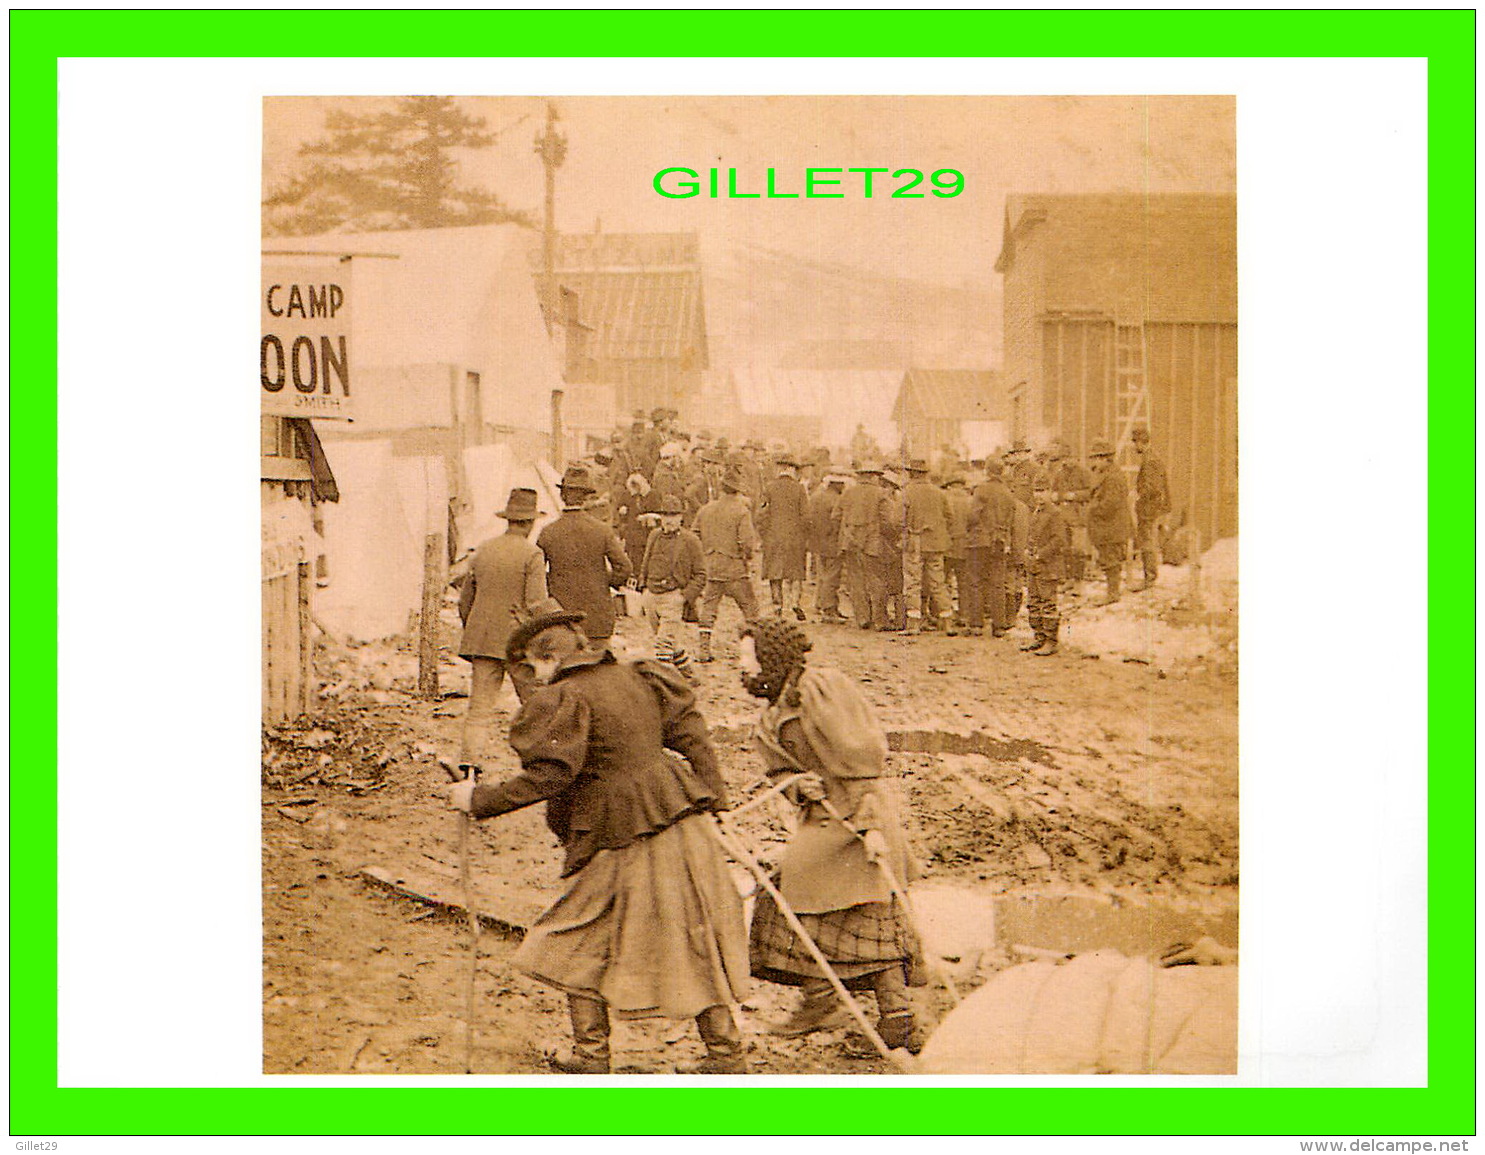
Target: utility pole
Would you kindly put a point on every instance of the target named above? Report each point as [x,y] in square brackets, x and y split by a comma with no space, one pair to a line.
[551,146]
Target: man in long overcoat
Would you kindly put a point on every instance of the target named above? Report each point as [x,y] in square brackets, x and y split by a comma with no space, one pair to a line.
[992,516]
[1109,523]
[783,515]
[957,495]
[859,515]
[507,574]
[586,560]
[824,544]
[926,540]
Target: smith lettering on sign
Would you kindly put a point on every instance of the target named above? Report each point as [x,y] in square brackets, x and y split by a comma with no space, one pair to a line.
[305,354]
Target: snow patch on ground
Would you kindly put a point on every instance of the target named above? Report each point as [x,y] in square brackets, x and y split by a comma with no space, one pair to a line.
[1189,618]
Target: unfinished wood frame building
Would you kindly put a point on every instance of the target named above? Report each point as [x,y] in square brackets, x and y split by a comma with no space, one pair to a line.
[1121,311]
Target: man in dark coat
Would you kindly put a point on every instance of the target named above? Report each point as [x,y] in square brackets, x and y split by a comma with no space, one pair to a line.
[1047,545]
[507,574]
[1151,504]
[1109,523]
[783,515]
[1019,470]
[728,542]
[889,562]
[650,923]
[925,541]
[1071,488]
[585,558]
[859,515]
[824,544]
[992,517]
[957,496]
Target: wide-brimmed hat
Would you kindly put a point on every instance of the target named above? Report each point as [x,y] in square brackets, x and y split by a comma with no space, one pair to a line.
[672,505]
[533,620]
[1100,448]
[577,480]
[869,467]
[954,479]
[734,480]
[786,460]
[837,479]
[1018,446]
[520,506]
[917,465]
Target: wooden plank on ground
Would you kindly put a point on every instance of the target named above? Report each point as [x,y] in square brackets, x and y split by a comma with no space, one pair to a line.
[510,911]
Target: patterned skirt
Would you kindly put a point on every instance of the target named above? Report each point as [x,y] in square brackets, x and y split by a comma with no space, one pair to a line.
[652,929]
[858,942]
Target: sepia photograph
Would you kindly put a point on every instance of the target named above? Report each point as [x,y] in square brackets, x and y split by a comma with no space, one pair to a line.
[750,585]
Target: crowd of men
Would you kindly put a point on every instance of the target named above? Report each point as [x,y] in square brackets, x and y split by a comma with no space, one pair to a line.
[957,547]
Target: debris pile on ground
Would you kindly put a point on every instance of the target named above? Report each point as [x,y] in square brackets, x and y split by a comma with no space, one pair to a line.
[332,750]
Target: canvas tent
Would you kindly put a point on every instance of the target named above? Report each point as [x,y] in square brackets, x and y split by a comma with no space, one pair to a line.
[374,537]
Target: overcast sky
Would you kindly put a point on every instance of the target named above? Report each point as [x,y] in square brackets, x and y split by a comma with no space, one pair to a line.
[1001,144]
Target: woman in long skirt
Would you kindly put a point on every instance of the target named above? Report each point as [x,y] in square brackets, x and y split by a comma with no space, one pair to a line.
[650,923]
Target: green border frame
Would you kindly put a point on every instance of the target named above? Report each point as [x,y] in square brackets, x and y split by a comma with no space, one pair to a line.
[1445,1107]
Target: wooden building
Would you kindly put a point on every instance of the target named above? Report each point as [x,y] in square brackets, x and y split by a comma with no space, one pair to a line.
[636,323]
[1121,310]
[949,407]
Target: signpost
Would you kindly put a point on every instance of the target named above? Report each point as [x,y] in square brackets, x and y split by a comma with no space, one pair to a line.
[305,355]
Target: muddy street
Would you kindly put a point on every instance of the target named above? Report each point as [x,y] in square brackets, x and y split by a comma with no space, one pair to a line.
[1029,780]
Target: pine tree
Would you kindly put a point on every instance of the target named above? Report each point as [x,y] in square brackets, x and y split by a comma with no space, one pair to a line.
[391,169]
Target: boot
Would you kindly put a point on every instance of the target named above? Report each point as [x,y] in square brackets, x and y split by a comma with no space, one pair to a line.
[1152,568]
[704,651]
[1113,574]
[819,1010]
[589,1038]
[724,1045]
[897,1031]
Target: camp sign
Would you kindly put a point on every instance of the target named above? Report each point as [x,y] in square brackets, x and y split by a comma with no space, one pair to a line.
[305,356]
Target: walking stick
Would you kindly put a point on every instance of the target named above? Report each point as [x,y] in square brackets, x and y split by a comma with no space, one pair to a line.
[900,893]
[759,800]
[738,854]
[465,771]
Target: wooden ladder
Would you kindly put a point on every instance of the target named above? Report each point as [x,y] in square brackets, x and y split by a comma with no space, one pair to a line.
[1131,392]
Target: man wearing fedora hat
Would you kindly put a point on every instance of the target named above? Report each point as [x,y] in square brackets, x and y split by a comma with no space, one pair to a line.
[1109,523]
[649,923]
[728,541]
[585,558]
[507,574]
[926,540]
[859,517]
[783,513]
[672,570]
[824,544]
